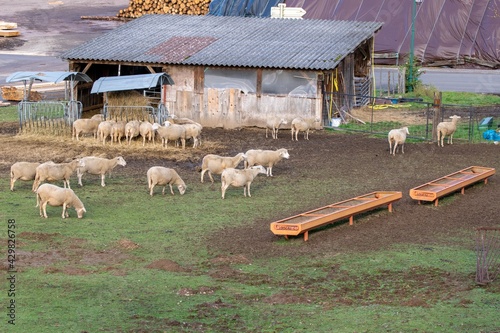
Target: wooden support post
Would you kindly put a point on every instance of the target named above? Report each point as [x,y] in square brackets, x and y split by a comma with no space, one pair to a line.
[306,236]
[351,220]
[437,114]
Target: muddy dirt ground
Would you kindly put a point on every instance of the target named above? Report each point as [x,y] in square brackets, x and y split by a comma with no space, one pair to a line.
[355,159]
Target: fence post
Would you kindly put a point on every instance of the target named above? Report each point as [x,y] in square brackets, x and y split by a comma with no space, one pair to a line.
[437,114]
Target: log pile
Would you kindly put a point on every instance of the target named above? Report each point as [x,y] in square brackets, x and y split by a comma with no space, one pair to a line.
[138,8]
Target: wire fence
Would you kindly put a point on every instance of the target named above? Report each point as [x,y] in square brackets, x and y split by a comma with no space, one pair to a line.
[380,115]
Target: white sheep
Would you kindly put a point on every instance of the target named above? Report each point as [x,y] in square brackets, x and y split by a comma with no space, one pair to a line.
[447,129]
[274,124]
[98,116]
[147,132]
[22,171]
[193,131]
[85,126]
[50,171]
[215,164]
[267,158]
[118,131]
[181,121]
[172,132]
[240,178]
[52,195]
[104,130]
[398,137]
[158,175]
[132,130]
[98,166]
[302,124]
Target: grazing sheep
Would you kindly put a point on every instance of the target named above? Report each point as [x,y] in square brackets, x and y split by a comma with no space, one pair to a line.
[301,124]
[274,124]
[215,164]
[172,132]
[447,129]
[118,131]
[22,171]
[267,158]
[85,126]
[104,130]
[132,129]
[52,195]
[158,175]
[51,171]
[398,137]
[193,131]
[240,178]
[147,132]
[98,166]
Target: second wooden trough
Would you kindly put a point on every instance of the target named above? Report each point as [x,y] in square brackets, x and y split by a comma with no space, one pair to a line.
[440,187]
[302,223]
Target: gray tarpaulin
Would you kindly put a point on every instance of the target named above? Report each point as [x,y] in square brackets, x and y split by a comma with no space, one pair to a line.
[452,31]
[130,82]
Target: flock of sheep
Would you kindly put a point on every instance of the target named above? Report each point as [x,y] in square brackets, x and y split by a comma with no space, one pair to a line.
[444,129]
[255,161]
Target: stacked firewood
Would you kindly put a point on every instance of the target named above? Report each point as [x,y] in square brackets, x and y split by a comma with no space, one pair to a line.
[138,8]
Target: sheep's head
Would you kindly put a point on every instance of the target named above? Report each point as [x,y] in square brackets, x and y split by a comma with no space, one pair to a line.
[260,168]
[121,161]
[284,153]
[79,212]
[182,189]
[406,130]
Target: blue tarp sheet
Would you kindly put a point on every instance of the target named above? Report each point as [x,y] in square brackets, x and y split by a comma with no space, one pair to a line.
[55,77]
[130,82]
[253,8]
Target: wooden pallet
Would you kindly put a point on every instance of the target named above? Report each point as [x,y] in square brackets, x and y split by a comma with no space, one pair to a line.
[451,183]
[302,223]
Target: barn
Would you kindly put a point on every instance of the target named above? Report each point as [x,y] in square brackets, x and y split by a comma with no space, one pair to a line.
[235,71]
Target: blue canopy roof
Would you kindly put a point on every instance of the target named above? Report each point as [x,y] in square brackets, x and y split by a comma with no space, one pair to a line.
[55,77]
[130,82]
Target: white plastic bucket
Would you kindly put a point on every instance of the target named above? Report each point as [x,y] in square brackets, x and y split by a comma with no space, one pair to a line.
[336,122]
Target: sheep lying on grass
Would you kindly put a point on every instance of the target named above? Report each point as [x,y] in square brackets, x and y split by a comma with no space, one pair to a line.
[172,132]
[304,125]
[98,166]
[274,124]
[397,137]
[267,158]
[132,129]
[85,126]
[52,195]
[158,175]
[447,129]
[22,171]
[50,171]
[147,132]
[215,164]
[240,178]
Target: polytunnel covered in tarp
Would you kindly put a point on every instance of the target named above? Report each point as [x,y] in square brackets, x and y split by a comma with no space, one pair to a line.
[447,32]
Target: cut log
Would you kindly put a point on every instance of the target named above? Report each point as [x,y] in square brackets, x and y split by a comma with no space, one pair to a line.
[9,33]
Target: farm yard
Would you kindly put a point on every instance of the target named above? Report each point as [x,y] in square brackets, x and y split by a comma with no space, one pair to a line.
[197,263]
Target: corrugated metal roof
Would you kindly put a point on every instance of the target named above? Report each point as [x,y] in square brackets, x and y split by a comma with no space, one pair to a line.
[228,41]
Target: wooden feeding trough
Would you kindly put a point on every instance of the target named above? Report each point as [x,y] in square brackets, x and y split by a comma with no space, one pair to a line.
[440,187]
[302,223]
